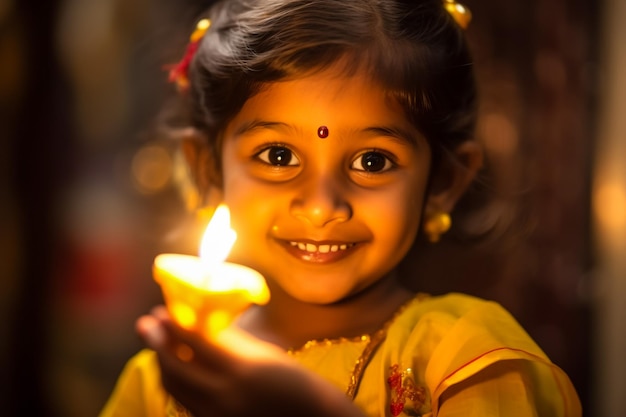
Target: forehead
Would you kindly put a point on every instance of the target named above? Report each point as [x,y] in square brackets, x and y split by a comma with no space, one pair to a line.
[330,98]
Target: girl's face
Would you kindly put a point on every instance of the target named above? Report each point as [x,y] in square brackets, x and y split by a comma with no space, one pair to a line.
[323,218]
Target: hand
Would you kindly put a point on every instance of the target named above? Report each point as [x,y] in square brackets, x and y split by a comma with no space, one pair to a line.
[236,374]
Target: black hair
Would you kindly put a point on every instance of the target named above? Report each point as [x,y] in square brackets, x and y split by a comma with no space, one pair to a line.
[413,48]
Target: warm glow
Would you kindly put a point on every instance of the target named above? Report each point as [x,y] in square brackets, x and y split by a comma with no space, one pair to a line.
[500,134]
[151,169]
[610,205]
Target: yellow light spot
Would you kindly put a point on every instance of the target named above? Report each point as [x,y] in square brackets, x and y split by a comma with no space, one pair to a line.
[184,315]
[217,321]
[151,168]
[499,134]
[610,205]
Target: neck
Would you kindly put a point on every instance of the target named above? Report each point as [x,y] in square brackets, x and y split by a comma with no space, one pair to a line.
[290,323]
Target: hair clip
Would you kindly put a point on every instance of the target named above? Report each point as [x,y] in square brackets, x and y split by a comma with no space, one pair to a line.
[179,73]
[461,14]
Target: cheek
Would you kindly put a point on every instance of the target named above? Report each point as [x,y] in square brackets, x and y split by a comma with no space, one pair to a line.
[403,228]
[245,204]
[253,205]
[244,207]
[238,187]
[404,211]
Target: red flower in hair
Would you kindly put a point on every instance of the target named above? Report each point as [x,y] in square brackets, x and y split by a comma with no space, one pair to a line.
[179,73]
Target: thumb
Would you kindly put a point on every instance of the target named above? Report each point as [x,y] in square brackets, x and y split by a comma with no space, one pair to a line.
[247,346]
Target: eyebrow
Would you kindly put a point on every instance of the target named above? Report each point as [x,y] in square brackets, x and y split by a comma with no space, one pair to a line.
[395,132]
[403,136]
[256,124]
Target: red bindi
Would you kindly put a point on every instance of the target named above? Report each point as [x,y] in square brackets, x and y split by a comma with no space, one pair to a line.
[322,132]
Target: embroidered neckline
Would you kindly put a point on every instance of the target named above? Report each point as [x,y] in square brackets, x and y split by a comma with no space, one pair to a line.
[373,341]
[367,337]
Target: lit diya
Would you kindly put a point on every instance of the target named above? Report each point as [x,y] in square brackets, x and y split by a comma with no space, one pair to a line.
[205,293]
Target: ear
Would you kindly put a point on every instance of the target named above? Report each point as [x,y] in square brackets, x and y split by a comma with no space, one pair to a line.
[453,176]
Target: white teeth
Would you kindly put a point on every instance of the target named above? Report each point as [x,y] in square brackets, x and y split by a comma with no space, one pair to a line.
[311,248]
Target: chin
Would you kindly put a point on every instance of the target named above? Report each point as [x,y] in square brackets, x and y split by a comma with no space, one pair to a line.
[321,299]
[317,296]
[323,296]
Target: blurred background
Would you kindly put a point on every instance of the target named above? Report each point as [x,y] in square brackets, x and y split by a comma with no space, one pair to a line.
[88,197]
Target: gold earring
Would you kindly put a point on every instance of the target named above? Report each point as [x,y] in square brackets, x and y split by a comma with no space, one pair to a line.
[436,224]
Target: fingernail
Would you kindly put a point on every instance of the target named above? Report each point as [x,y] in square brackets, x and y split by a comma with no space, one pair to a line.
[160,312]
[152,331]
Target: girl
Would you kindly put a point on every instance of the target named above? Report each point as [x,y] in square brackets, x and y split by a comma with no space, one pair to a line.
[337,131]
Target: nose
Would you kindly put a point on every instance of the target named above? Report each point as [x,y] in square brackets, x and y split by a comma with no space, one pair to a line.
[321,201]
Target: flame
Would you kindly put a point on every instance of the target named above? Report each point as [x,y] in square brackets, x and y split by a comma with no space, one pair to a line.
[218,239]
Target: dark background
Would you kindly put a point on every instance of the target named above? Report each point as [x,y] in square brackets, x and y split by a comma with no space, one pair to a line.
[88,199]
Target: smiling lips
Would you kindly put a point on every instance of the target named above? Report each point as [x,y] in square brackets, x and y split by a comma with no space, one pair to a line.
[312,248]
[319,253]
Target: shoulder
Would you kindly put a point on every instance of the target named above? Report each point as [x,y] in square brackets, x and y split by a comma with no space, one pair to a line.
[455,304]
[142,367]
[453,312]
[451,304]
[138,389]
[457,340]
[458,329]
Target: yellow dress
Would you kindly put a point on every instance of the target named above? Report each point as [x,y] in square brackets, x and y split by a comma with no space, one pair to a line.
[450,355]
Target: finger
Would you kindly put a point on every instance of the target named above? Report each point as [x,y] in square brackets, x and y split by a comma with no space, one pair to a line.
[175,357]
[160,312]
[151,331]
[189,345]
[186,380]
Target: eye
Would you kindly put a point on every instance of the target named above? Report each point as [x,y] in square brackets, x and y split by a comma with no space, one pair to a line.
[278,156]
[372,161]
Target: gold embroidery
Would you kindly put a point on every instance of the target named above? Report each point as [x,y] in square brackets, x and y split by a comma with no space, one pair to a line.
[406,385]
[361,363]
[373,342]
[176,409]
[363,338]
[327,342]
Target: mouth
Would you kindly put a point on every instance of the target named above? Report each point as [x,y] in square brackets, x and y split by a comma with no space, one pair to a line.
[320,252]
[323,248]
